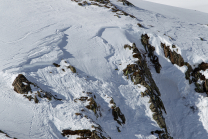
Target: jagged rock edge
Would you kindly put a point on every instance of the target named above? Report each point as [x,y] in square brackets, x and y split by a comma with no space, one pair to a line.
[139,73]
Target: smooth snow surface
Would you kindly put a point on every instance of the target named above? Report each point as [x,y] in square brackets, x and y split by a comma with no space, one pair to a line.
[37,33]
[174,12]
[200,5]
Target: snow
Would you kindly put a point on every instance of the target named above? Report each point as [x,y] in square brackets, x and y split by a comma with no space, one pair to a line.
[174,12]
[200,5]
[35,34]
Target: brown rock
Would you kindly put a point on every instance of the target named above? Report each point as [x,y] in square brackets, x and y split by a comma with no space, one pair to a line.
[21,84]
[56,65]
[203,66]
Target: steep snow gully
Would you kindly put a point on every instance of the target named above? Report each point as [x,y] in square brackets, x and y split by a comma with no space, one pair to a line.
[101,69]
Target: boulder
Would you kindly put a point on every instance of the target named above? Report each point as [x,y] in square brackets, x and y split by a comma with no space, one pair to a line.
[21,84]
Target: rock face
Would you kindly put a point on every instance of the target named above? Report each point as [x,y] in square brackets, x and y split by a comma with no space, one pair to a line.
[84,134]
[193,75]
[150,51]
[125,2]
[107,4]
[21,84]
[116,112]
[203,66]
[93,106]
[139,73]
[172,55]
[90,103]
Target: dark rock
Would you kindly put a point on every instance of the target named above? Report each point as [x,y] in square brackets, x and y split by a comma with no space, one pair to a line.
[203,66]
[152,107]
[21,84]
[85,134]
[39,94]
[145,41]
[142,94]
[195,74]
[80,4]
[159,119]
[189,71]
[83,98]
[112,102]
[56,65]
[202,77]
[205,85]
[82,133]
[173,46]
[30,97]
[176,58]
[140,25]
[142,75]
[116,112]
[118,129]
[125,2]
[36,99]
[92,106]
[127,46]
[172,55]
[150,50]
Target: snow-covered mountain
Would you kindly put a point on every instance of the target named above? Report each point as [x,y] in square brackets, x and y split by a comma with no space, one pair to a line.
[102,69]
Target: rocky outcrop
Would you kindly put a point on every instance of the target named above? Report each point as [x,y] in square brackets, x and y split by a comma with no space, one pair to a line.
[116,112]
[160,134]
[125,2]
[93,106]
[139,73]
[73,69]
[174,57]
[23,86]
[107,4]
[84,134]
[192,75]
[90,103]
[150,51]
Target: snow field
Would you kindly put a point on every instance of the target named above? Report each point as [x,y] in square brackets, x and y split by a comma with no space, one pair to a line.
[91,39]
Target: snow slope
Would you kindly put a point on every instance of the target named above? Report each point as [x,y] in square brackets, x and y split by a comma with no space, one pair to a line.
[174,12]
[200,5]
[35,34]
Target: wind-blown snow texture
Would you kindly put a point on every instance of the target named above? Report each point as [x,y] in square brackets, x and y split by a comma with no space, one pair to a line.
[35,34]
